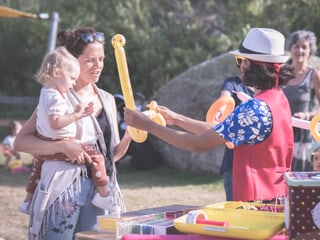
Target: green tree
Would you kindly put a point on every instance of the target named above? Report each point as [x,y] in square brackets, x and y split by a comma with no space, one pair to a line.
[164,37]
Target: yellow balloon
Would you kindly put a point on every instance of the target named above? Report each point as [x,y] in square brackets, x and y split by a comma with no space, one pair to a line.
[137,135]
[313,127]
[156,117]
[118,41]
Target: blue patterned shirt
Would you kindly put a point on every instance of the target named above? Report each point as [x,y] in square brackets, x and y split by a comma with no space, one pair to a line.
[250,122]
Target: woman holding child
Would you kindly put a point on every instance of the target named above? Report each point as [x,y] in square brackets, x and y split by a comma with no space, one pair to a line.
[73,211]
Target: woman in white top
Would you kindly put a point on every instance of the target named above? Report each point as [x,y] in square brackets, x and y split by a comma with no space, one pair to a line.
[62,205]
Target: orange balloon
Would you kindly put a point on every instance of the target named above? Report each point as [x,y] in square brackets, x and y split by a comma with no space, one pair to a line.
[313,127]
[220,109]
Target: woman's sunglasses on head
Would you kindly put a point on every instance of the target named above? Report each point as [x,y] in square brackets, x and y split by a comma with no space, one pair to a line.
[239,59]
[91,37]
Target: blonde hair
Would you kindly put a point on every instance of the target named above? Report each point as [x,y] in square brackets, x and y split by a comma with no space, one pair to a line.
[55,60]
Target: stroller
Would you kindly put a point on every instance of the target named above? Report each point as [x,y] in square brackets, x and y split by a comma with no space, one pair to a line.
[143,155]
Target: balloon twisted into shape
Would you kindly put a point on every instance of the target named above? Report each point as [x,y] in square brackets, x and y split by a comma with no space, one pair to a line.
[314,127]
[219,111]
[118,41]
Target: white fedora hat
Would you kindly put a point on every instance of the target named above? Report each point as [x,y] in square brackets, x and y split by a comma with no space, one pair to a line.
[264,45]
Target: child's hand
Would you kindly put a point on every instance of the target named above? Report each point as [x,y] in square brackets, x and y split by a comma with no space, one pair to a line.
[83,110]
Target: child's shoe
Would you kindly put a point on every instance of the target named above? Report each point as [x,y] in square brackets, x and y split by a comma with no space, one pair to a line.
[106,203]
[25,207]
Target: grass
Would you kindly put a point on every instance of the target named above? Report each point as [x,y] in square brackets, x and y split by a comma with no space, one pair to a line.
[141,189]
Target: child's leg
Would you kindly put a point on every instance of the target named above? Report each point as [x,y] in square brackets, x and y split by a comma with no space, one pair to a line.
[99,175]
[33,180]
[35,175]
[7,154]
[8,159]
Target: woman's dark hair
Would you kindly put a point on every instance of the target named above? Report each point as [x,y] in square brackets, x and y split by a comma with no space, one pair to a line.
[71,39]
[262,75]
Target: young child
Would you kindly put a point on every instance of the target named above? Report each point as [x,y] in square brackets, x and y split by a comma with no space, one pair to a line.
[315,156]
[56,118]
[7,143]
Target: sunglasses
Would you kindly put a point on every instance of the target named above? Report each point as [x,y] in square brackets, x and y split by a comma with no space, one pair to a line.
[90,37]
[239,60]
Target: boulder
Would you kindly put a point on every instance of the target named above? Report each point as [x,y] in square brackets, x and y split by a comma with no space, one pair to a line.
[191,93]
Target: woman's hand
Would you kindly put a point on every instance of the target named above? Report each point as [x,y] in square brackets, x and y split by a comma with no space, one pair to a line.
[136,119]
[139,120]
[168,115]
[302,115]
[75,152]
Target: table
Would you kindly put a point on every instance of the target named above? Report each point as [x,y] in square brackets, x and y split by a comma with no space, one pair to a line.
[187,237]
[96,235]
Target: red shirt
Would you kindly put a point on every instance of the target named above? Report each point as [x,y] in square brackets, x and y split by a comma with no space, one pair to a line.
[258,170]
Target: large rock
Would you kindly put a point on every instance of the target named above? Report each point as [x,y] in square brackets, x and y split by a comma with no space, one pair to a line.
[191,93]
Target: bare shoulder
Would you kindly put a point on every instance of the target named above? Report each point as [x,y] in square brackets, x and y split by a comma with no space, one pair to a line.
[316,73]
[315,81]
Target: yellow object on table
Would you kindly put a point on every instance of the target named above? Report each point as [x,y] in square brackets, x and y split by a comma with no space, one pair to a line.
[244,221]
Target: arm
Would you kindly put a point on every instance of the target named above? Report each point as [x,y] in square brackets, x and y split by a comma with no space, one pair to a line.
[315,85]
[225,93]
[206,139]
[26,141]
[186,123]
[121,149]
[81,110]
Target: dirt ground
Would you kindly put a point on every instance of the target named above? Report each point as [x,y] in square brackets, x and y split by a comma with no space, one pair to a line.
[13,225]
[141,189]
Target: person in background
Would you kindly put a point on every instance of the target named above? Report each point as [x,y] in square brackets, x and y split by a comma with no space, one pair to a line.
[61,204]
[229,88]
[259,129]
[315,156]
[301,92]
[7,144]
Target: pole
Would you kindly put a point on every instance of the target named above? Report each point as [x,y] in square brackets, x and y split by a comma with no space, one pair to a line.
[54,20]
